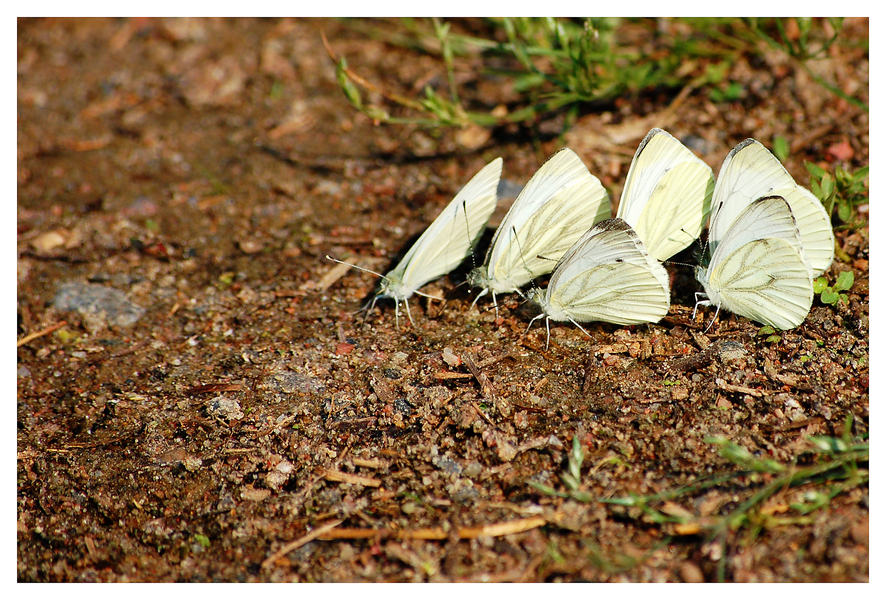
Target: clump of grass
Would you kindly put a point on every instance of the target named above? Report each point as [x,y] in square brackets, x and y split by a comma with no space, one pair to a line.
[832,466]
[557,65]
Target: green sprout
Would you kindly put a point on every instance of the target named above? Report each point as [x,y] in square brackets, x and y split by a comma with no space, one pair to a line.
[832,294]
[770,332]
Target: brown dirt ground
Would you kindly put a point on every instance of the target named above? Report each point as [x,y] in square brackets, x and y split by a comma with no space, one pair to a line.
[205,167]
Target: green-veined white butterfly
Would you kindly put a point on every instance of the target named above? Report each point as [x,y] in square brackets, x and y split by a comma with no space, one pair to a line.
[607,275]
[444,244]
[667,194]
[758,269]
[559,203]
[750,172]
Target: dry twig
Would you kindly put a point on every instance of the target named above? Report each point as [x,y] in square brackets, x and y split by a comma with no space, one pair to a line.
[311,535]
[41,333]
[436,533]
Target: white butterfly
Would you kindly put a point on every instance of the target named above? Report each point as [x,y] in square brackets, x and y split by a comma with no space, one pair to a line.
[750,172]
[758,268]
[559,203]
[444,244]
[607,275]
[667,194]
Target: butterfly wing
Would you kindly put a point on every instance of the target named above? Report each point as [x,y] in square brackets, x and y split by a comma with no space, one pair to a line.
[750,172]
[561,201]
[758,269]
[452,235]
[608,276]
[813,226]
[667,194]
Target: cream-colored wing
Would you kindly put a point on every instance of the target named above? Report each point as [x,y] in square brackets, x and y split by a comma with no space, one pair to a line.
[813,225]
[758,270]
[560,202]
[608,276]
[667,194]
[749,172]
[452,235]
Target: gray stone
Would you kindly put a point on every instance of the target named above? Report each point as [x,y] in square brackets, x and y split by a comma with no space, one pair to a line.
[99,306]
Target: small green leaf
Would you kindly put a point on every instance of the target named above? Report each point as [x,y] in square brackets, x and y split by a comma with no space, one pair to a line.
[780,148]
[66,336]
[815,170]
[844,281]
[201,539]
[376,113]
[829,296]
[819,285]
[827,185]
[347,86]
[773,339]
[276,90]
[766,330]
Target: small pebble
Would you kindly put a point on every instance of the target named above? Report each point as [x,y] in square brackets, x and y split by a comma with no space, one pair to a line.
[226,408]
[691,573]
[450,357]
[730,350]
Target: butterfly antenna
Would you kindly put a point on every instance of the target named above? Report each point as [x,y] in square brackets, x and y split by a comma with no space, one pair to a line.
[520,248]
[358,267]
[464,209]
[677,263]
[707,241]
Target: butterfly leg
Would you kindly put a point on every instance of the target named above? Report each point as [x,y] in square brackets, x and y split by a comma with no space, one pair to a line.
[397,313]
[716,312]
[582,328]
[367,308]
[495,304]
[698,302]
[548,327]
[408,313]
[534,319]
[482,293]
